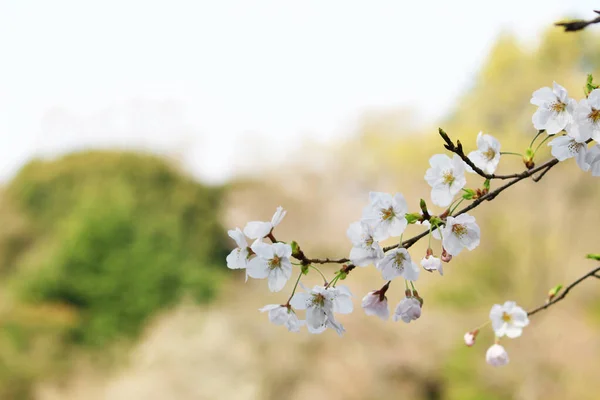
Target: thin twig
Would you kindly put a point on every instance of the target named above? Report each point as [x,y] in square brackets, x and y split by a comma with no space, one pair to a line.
[578,24]
[458,150]
[564,293]
[487,197]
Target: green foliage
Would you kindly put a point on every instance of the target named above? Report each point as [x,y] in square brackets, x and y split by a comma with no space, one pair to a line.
[122,235]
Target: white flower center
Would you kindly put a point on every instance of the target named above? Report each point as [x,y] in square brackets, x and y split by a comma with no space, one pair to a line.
[387,213]
[449,178]
[594,116]
[459,230]
[318,300]
[490,154]
[399,259]
[558,106]
[574,147]
[275,262]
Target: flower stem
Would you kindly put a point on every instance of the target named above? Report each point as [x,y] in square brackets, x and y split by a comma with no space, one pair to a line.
[295,287]
[541,143]
[320,273]
[536,136]
[511,153]
[455,207]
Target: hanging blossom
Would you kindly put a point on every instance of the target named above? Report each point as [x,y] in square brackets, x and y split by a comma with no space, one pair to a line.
[260,229]
[565,147]
[398,263]
[283,315]
[238,258]
[587,118]
[446,178]
[431,263]
[496,356]
[487,155]
[376,303]
[409,308]
[366,250]
[272,261]
[458,233]
[508,319]
[555,109]
[386,215]
[320,304]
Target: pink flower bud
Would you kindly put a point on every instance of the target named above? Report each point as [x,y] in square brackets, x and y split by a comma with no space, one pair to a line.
[470,337]
[446,257]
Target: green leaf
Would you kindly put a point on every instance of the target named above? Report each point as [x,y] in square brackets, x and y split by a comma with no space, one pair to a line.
[304,269]
[554,291]
[486,184]
[412,218]
[469,194]
[593,257]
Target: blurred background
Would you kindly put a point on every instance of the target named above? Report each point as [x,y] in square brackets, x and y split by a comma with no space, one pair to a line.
[134,134]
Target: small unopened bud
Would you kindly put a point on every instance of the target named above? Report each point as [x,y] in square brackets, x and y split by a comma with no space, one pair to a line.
[496,356]
[470,337]
[446,257]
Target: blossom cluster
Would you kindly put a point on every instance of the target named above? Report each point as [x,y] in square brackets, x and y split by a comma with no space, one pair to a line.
[507,320]
[573,125]
[580,121]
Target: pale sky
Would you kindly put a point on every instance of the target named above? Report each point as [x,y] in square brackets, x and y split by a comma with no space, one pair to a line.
[212,80]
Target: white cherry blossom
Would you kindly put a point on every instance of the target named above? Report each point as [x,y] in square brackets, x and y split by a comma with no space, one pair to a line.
[282,315]
[320,304]
[460,232]
[366,250]
[396,263]
[431,263]
[487,155]
[409,309]
[373,304]
[508,319]
[587,118]
[496,356]
[238,258]
[593,160]
[555,109]
[446,178]
[565,147]
[260,229]
[386,215]
[272,261]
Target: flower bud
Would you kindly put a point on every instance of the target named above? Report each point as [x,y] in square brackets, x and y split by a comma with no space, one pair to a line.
[470,337]
[446,257]
[496,356]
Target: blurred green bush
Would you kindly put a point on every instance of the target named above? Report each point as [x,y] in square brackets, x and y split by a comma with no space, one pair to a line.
[96,243]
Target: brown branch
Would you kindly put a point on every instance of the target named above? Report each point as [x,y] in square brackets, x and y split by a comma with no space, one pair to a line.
[578,24]
[458,150]
[592,273]
[545,167]
[328,260]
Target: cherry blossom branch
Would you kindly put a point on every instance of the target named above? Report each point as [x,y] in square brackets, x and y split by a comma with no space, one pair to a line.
[595,273]
[458,150]
[545,167]
[517,177]
[487,197]
[578,24]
